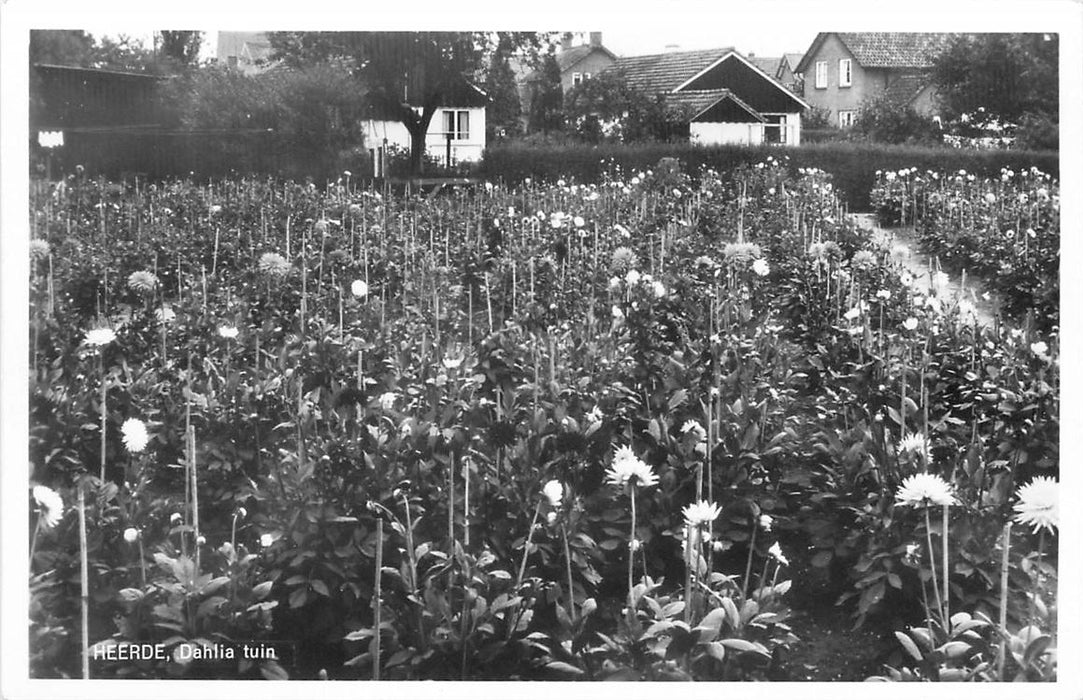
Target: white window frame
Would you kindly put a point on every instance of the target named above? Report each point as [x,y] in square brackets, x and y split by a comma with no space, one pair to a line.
[577,78]
[846,72]
[821,74]
[457,124]
[846,118]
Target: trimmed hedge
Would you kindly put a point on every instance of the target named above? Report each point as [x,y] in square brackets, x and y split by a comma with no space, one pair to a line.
[852,165]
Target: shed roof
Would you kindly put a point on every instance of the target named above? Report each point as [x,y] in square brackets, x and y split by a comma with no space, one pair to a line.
[905,87]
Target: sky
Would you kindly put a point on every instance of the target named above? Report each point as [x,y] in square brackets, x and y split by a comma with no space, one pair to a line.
[631,27]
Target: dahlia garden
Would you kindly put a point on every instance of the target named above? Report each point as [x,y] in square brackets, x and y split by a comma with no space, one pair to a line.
[624,430]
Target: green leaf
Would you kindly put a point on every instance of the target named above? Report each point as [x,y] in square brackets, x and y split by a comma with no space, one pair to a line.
[677,399]
[272,671]
[822,558]
[561,667]
[909,645]
[716,650]
[711,624]
[954,650]
[320,587]
[262,590]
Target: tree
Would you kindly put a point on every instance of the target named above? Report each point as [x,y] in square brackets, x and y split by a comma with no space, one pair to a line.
[181,47]
[504,108]
[1008,74]
[407,75]
[607,107]
[547,98]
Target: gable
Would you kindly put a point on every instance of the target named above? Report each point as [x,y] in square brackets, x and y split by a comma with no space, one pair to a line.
[760,91]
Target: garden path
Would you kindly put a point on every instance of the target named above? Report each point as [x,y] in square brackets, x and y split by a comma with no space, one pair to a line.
[922,267]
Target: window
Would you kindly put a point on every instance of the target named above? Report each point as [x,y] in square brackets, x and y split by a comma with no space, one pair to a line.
[846,75]
[846,119]
[577,78]
[457,124]
[821,74]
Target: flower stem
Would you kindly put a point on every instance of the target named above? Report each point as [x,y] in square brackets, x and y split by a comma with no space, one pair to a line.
[944,568]
[526,548]
[932,565]
[1037,585]
[1002,651]
[631,555]
[568,567]
[101,368]
[748,566]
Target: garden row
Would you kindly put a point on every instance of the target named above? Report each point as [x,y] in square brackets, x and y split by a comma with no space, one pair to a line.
[554,431]
[852,166]
[1003,229]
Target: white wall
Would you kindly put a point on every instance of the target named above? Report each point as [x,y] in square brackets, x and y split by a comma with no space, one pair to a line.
[470,149]
[713,133]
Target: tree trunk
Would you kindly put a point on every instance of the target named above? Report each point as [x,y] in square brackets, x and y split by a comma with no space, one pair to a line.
[418,128]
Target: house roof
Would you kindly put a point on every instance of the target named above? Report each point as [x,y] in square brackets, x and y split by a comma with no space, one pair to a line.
[793,59]
[885,49]
[906,87]
[568,58]
[699,102]
[665,72]
[768,65]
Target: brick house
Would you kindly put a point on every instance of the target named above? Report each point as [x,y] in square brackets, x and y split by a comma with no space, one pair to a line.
[842,70]
[727,97]
[781,68]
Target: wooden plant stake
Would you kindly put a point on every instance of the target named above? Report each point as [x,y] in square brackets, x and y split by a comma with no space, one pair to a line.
[376,598]
[84,581]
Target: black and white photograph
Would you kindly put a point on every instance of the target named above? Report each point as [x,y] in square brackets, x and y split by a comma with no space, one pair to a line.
[707,342]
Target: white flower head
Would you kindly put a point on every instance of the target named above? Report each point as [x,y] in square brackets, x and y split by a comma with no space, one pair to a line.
[99,337]
[579,222]
[142,281]
[50,505]
[617,313]
[134,435]
[910,323]
[626,466]
[594,415]
[1039,504]
[387,400]
[131,535]
[700,514]
[632,277]
[266,539]
[1039,348]
[693,426]
[274,265]
[766,521]
[175,518]
[359,288]
[228,332]
[922,490]
[554,492]
[614,282]
[659,289]
[776,552]
[915,443]
[760,267]
[165,315]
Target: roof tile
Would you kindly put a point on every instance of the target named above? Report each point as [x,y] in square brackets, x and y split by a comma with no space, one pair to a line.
[895,49]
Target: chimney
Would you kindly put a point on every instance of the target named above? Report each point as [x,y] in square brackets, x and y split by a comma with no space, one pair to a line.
[596,39]
[670,48]
[751,54]
[566,41]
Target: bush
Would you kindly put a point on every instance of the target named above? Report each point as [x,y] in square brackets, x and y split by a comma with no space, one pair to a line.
[887,121]
[852,166]
[1037,132]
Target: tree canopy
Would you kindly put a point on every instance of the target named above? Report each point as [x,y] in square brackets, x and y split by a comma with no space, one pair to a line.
[1010,75]
[406,75]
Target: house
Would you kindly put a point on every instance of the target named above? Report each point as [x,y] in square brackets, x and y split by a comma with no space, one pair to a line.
[456,133]
[248,52]
[780,68]
[577,61]
[726,96]
[845,69]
